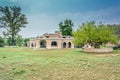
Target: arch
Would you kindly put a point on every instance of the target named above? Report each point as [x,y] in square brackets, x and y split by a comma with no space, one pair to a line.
[32,45]
[69,44]
[64,45]
[54,43]
[42,44]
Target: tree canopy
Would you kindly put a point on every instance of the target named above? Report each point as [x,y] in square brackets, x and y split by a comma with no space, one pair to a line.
[66,27]
[116,28]
[12,20]
[90,33]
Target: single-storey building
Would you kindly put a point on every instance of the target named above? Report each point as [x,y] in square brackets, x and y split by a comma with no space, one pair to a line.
[52,41]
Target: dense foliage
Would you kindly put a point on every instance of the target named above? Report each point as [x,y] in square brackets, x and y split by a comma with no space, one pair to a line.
[8,41]
[92,34]
[19,40]
[116,28]
[26,42]
[66,27]
[2,43]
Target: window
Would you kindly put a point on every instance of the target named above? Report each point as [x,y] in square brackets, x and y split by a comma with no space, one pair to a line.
[47,36]
[54,43]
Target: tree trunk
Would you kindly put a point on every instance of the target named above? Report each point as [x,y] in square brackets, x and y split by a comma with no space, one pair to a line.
[13,40]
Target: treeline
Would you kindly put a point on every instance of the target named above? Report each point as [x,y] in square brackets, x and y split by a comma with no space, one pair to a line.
[19,41]
[66,27]
[115,28]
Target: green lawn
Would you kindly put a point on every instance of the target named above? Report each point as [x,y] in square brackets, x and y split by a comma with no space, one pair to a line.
[61,64]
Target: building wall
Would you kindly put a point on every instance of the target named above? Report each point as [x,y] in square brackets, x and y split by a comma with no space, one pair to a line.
[53,47]
[35,43]
[49,38]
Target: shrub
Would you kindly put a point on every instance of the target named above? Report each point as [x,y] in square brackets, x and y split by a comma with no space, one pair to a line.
[2,43]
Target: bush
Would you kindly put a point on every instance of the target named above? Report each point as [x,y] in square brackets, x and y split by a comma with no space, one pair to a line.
[2,43]
[19,41]
[26,42]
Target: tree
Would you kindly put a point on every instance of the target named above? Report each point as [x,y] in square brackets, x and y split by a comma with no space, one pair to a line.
[19,41]
[9,41]
[66,27]
[12,20]
[95,35]
[2,43]
[26,42]
[116,28]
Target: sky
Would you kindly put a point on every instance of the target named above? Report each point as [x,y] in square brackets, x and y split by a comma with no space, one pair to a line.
[43,16]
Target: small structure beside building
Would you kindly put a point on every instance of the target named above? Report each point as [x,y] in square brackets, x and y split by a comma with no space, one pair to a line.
[52,41]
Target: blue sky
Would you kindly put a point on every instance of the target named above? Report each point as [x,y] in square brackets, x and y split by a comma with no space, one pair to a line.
[45,15]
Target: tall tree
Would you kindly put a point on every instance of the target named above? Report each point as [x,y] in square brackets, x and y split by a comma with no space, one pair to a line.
[95,35]
[66,27]
[12,20]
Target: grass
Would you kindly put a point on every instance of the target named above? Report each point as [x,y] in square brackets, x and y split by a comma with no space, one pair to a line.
[61,64]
